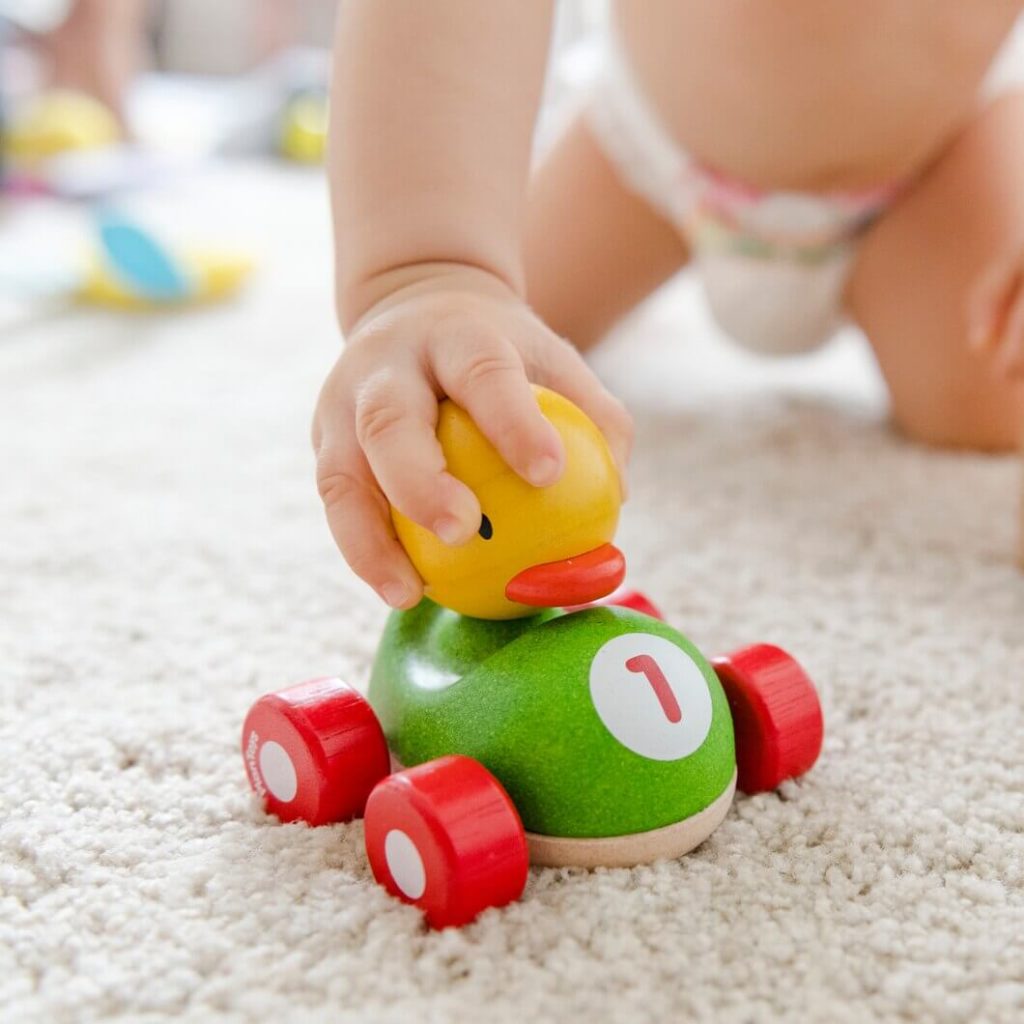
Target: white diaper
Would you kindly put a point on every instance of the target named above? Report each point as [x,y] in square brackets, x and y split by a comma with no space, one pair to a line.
[774,264]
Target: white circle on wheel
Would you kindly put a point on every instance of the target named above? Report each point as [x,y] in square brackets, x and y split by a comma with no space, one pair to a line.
[278,772]
[651,696]
[405,863]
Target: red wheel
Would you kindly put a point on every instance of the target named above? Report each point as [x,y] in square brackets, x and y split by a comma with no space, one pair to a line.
[624,597]
[446,837]
[314,751]
[776,715]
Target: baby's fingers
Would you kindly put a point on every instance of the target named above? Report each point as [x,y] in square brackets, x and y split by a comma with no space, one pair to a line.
[567,373]
[396,422]
[360,522]
[484,374]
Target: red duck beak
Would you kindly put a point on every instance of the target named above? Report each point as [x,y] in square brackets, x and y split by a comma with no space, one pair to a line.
[575,580]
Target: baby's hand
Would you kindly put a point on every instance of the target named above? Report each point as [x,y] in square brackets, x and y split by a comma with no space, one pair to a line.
[461,334]
[996,316]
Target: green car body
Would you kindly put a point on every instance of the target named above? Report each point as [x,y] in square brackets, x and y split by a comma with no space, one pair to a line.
[532,699]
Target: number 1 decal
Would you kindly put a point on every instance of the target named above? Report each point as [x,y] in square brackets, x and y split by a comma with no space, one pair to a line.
[664,715]
[645,665]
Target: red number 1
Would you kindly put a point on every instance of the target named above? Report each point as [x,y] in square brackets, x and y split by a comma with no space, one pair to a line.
[646,665]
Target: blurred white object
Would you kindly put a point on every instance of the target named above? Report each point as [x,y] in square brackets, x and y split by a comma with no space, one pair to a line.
[233,36]
[92,174]
[575,55]
[1007,70]
[35,15]
[207,38]
[202,114]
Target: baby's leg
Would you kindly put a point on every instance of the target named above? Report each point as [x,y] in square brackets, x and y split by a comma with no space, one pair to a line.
[915,272]
[99,48]
[593,249]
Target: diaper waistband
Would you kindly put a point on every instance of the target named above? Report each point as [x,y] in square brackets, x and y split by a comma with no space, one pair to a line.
[711,207]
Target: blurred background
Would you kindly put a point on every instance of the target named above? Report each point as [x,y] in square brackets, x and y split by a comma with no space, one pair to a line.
[185,54]
[136,137]
[133,134]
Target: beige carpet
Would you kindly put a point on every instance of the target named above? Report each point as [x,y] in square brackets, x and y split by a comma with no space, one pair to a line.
[163,561]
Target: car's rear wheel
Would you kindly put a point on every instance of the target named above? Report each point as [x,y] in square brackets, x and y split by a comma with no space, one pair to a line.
[624,597]
[776,715]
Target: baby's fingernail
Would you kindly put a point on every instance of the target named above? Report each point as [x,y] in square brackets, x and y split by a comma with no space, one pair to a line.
[449,530]
[396,594]
[542,471]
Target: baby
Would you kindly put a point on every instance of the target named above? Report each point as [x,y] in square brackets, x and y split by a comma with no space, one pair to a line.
[814,162]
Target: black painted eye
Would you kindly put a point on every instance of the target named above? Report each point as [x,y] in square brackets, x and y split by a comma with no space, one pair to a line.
[486,530]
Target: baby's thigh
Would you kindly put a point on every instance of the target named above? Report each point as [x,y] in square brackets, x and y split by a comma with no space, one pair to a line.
[916,269]
[593,249]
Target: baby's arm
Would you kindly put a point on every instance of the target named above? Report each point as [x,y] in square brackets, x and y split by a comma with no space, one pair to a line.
[432,116]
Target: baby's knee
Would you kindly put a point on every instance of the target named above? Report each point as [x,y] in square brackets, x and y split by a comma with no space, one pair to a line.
[990,421]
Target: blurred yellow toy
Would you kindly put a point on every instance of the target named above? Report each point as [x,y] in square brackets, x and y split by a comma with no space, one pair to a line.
[132,270]
[127,268]
[58,122]
[304,128]
[532,540]
[209,275]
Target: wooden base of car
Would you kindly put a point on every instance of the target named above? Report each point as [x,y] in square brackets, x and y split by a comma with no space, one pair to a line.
[627,851]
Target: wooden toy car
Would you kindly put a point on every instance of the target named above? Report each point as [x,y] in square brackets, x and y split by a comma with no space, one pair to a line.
[569,727]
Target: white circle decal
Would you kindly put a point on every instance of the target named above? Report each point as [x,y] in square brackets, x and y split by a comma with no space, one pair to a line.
[651,696]
[405,863]
[278,772]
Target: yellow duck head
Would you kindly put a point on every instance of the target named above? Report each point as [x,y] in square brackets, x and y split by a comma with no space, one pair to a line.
[537,547]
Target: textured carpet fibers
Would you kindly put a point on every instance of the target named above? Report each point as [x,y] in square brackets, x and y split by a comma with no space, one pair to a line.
[163,561]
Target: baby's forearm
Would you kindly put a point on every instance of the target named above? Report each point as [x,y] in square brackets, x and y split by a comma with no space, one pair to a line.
[432,113]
